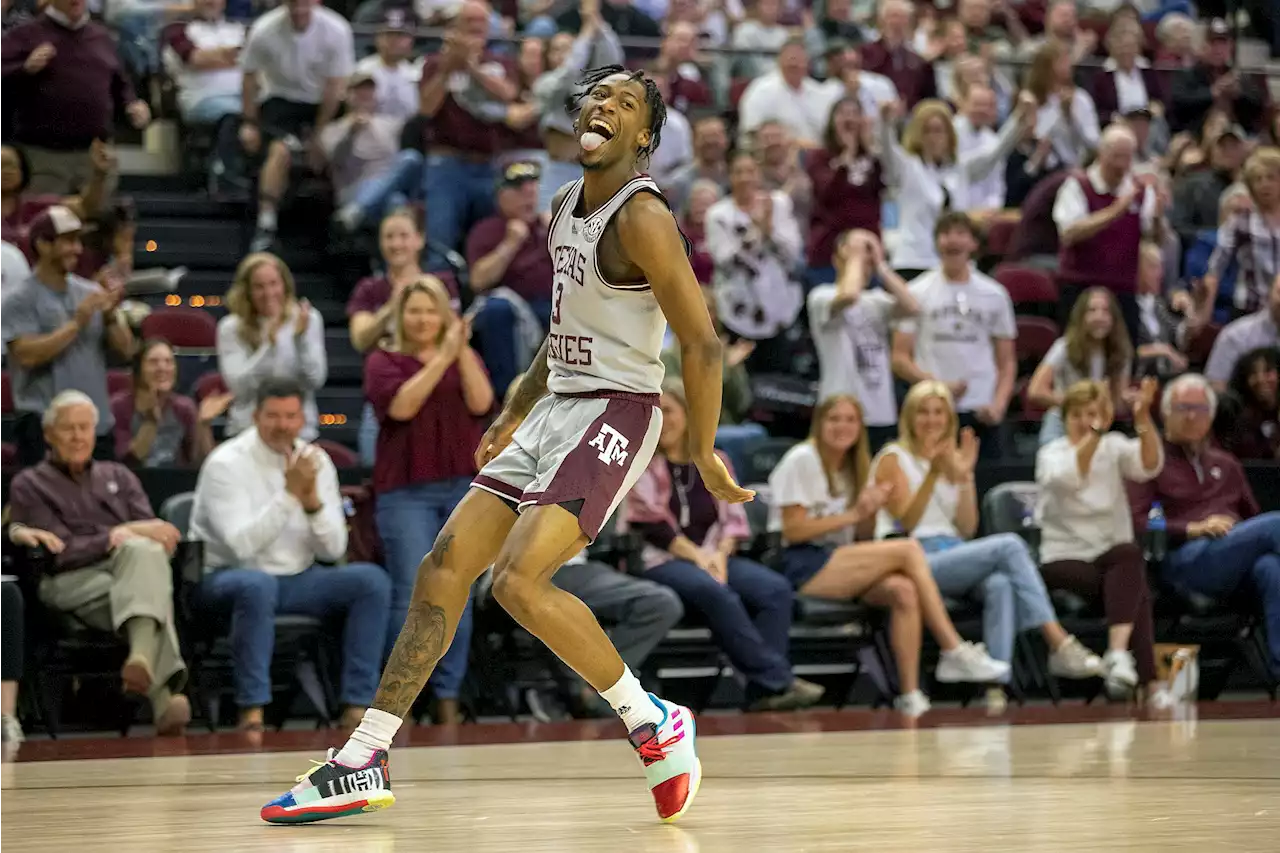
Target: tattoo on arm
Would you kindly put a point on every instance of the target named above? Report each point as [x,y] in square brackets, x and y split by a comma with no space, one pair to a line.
[534,384]
[418,648]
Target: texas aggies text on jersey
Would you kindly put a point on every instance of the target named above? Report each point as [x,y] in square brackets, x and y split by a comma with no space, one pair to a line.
[604,336]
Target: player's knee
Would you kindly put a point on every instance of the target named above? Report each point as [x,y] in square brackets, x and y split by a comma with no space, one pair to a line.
[516,593]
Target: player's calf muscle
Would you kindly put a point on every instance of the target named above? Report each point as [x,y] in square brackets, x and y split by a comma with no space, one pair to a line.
[417,650]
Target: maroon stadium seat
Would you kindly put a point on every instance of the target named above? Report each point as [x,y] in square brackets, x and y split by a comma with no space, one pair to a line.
[185,328]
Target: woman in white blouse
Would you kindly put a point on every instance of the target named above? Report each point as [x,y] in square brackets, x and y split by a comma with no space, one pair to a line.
[933,498]
[1065,115]
[821,498]
[930,178]
[754,240]
[269,334]
[1086,530]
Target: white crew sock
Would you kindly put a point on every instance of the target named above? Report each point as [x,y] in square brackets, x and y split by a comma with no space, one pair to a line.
[266,218]
[631,702]
[375,732]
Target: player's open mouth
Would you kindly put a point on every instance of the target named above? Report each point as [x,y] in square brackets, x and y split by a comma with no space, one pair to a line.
[601,127]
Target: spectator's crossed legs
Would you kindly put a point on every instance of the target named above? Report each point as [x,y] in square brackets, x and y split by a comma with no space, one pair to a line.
[1217,568]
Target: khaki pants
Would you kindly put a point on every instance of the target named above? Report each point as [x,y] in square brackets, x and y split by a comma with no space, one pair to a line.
[134,581]
[63,172]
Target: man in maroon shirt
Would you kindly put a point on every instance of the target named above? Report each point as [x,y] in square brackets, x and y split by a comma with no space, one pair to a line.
[112,572]
[677,62]
[1219,541]
[509,251]
[65,83]
[457,83]
[893,57]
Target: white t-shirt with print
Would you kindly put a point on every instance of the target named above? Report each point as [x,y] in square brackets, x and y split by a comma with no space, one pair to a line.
[800,480]
[854,351]
[955,328]
[296,65]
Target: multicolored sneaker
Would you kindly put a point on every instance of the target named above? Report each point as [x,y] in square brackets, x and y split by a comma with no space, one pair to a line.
[670,763]
[331,790]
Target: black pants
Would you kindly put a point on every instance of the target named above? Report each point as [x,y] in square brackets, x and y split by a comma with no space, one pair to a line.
[1069,293]
[28,437]
[991,448]
[10,632]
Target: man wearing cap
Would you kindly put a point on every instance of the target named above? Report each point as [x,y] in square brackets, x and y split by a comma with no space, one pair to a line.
[511,269]
[296,62]
[396,74]
[362,149]
[1213,83]
[1196,194]
[55,327]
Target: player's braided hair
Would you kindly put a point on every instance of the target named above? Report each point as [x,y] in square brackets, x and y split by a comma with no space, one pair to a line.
[652,97]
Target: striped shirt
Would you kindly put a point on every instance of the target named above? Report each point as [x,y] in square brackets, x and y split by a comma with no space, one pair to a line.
[1255,244]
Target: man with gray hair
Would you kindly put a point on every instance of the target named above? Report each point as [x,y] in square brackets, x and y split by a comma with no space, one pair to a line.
[112,572]
[56,326]
[1219,540]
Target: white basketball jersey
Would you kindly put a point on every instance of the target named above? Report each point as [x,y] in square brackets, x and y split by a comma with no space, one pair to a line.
[604,336]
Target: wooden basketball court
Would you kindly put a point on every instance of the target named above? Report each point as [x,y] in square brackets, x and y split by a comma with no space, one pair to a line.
[1098,786]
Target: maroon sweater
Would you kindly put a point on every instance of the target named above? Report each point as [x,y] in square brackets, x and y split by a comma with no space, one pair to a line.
[842,200]
[1189,492]
[1110,257]
[908,71]
[73,99]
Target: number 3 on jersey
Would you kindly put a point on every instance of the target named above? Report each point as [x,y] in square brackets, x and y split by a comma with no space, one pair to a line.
[569,268]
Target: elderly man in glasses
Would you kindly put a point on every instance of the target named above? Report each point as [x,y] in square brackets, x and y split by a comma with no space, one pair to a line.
[1219,541]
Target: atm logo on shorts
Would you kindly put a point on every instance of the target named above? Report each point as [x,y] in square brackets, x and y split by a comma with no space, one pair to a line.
[611,444]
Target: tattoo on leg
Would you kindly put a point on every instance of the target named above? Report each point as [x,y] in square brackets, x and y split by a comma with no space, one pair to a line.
[440,550]
[419,647]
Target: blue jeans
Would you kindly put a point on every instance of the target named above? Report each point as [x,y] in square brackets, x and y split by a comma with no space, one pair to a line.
[361,590]
[458,193]
[997,570]
[367,437]
[757,647]
[495,329]
[408,521]
[392,188]
[138,43]
[1217,568]
[736,439]
[211,110]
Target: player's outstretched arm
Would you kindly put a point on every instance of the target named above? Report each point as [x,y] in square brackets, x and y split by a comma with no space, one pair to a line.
[652,242]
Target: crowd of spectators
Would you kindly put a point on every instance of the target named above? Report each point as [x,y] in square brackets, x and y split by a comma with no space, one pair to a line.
[953,223]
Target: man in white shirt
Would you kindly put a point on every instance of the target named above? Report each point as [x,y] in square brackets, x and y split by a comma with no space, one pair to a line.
[963,335]
[203,58]
[848,79]
[788,96]
[392,68]
[850,323]
[296,62]
[1259,329]
[267,509]
[974,131]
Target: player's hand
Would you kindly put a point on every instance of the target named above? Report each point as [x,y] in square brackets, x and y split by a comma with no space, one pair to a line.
[716,477]
[496,438]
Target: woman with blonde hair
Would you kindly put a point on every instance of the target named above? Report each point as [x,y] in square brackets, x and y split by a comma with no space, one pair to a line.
[929,177]
[429,392]
[1252,239]
[269,334]
[932,497]
[1086,529]
[1065,115]
[822,500]
[1095,345]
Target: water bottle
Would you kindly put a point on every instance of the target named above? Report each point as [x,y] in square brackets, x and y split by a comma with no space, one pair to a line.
[1030,532]
[348,507]
[1157,532]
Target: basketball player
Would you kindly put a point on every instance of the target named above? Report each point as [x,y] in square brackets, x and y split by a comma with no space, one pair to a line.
[574,437]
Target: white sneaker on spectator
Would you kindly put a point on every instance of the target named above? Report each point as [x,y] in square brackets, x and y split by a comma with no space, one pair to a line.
[970,662]
[11,735]
[912,704]
[1161,699]
[1073,660]
[1120,673]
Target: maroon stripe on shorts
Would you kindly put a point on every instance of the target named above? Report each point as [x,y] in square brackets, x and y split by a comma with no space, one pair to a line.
[506,490]
[629,396]
[594,471]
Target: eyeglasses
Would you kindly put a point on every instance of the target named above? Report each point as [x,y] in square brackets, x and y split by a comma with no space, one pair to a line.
[1191,408]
